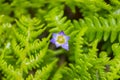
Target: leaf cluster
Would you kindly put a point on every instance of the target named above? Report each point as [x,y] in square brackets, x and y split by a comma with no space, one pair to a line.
[26,27]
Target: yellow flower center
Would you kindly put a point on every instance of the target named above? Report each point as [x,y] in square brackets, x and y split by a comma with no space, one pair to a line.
[61,39]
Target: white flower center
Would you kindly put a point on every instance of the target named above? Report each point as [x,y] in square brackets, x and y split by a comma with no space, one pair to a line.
[61,39]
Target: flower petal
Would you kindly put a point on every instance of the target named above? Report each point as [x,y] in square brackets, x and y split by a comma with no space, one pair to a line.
[61,33]
[65,46]
[67,38]
[54,35]
[52,40]
[57,44]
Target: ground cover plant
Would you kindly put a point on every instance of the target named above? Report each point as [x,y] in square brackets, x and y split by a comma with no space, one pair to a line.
[59,40]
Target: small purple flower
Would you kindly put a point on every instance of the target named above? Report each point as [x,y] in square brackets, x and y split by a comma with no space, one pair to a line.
[60,39]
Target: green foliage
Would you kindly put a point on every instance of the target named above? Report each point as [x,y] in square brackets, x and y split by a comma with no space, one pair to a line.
[99,27]
[26,27]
